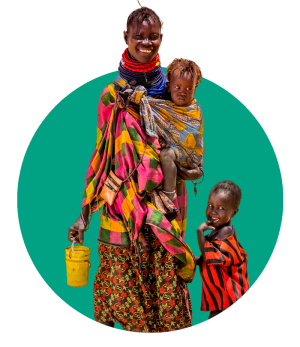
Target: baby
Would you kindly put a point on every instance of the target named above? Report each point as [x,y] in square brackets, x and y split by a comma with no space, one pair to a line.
[223,261]
[183,78]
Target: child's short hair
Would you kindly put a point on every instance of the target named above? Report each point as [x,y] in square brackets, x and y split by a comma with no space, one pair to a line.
[143,14]
[184,65]
[230,188]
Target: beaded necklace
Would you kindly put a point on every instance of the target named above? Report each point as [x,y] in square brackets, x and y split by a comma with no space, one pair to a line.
[149,75]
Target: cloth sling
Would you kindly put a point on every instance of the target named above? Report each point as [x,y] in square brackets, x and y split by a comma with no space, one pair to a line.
[180,126]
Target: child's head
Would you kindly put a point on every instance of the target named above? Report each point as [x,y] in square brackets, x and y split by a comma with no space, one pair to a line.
[183,78]
[223,203]
[143,35]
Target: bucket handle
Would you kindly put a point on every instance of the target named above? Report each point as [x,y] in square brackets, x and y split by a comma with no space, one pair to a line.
[72,250]
[88,262]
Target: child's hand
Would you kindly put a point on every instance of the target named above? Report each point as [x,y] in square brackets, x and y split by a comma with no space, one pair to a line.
[205,226]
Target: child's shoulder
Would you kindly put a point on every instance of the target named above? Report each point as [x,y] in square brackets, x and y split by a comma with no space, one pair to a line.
[221,234]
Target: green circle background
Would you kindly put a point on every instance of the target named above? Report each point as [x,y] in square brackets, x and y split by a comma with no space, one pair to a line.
[51,184]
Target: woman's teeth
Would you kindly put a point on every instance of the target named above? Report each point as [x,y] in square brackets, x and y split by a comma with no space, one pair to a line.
[145,50]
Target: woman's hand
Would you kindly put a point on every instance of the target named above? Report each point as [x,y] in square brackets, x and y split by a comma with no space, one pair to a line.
[192,174]
[77,230]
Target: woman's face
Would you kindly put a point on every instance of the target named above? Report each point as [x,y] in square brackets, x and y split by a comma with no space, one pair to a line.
[143,40]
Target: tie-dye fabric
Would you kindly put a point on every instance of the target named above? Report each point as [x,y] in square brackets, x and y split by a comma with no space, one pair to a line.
[121,223]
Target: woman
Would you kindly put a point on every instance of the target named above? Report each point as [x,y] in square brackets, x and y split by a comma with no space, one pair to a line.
[145,264]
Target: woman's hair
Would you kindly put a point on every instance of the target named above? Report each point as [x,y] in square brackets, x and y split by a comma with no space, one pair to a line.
[183,65]
[231,189]
[143,14]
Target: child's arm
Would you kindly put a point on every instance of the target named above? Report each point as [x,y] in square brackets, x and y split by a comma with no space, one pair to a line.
[224,252]
[201,238]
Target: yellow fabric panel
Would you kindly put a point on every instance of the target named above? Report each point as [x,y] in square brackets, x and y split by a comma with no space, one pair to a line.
[127,207]
[90,189]
[99,138]
[165,115]
[133,113]
[195,114]
[96,162]
[112,91]
[138,97]
[105,222]
[179,126]
[139,147]
[117,226]
[190,141]
[123,138]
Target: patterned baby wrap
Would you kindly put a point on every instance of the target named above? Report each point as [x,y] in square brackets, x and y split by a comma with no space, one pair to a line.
[180,126]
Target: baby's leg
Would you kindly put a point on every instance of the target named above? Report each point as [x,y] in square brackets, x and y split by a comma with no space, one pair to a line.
[169,168]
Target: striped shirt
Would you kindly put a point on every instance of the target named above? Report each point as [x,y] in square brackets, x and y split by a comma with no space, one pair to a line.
[224,273]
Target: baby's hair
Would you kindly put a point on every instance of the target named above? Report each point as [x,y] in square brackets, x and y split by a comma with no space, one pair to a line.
[143,14]
[184,65]
[230,188]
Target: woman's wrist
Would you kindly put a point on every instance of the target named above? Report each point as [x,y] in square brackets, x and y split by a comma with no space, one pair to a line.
[84,215]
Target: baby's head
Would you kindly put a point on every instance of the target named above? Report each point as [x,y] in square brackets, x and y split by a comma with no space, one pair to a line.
[183,78]
[223,203]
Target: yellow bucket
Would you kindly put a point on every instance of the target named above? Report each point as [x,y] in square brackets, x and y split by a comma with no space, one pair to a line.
[78,264]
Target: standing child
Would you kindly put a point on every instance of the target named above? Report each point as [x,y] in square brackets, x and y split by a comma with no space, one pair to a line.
[223,261]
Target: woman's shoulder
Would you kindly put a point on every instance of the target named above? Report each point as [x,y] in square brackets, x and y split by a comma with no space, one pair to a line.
[109,94]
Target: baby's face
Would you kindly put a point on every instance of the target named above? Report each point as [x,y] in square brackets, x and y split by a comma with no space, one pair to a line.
[182,88]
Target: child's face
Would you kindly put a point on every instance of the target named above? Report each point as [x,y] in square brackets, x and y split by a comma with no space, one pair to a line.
[182,88]
[143,40]
[219,210]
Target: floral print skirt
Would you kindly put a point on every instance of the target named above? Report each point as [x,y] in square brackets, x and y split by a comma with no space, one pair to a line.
[143,293]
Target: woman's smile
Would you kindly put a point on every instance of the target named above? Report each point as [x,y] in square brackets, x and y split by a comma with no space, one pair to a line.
[144,50]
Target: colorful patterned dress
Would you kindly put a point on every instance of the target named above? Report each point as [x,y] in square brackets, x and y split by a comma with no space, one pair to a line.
[145,263]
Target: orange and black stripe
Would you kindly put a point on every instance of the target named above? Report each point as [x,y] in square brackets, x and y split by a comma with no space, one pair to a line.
[224,273]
